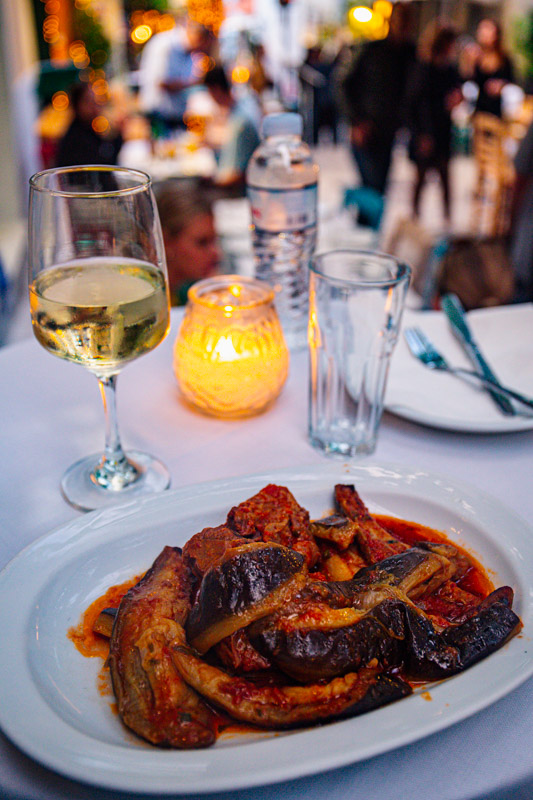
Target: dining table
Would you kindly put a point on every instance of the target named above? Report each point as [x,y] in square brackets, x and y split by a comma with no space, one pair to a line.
[53,416]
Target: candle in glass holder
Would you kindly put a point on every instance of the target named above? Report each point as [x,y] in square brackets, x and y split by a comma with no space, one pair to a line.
[230,357]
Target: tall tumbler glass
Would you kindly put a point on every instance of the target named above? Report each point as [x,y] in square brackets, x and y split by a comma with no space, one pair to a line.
[356,304]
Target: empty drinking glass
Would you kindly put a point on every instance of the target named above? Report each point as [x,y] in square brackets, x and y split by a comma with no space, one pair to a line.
[356,304]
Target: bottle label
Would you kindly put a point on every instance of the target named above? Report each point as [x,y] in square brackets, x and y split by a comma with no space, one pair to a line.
[276,210]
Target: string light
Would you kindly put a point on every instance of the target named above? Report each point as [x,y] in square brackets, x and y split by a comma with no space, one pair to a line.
[240,74]
[100,124]
[60,101]
[207,12]
[141,34]
[370,23]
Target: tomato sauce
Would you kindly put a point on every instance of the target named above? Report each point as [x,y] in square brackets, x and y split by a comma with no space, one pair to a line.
[476,579]
[86,641]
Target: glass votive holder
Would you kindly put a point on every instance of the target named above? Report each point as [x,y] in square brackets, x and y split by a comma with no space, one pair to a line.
[230,356]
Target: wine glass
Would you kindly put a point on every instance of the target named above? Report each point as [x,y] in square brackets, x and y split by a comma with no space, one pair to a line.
[99,297]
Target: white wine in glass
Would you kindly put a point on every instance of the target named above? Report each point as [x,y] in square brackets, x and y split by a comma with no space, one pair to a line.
[99,297]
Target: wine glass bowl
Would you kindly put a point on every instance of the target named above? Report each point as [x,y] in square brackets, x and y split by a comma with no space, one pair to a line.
[99,298]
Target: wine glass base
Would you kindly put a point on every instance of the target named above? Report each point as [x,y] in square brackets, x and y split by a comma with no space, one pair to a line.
[81,490]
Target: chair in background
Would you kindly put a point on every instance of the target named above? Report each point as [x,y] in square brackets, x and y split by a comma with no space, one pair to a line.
[412,243]
[495,176]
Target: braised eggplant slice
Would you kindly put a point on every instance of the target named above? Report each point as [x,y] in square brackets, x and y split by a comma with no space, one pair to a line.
[104,622]
[486,629]
[153,700]
[415,572]
[393,634]
[250,582]
[335,528]
[322,649]
[287,706]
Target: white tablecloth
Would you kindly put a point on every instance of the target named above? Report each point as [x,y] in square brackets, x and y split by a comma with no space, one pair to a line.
[52,416]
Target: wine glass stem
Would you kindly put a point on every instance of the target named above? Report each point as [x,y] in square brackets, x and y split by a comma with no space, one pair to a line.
[114,471]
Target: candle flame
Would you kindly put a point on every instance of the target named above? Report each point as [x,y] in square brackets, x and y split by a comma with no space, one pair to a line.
[225,349]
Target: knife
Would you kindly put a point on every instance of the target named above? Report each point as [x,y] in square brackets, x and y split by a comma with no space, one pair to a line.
[452,307]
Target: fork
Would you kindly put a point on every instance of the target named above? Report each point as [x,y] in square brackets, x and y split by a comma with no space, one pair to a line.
[423,349]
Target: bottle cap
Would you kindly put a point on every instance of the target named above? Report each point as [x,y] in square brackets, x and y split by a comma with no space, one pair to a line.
[282,124]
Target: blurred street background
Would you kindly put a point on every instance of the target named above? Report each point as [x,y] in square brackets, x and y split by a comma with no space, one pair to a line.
[128,60]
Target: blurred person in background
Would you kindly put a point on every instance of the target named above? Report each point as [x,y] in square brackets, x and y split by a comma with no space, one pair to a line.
[241,132]
[185,58]
[492,69]
[318,73]
[374,89]
[152,70]
[89,138]
[434,90]
[521,244]
[189,235]
[260,80]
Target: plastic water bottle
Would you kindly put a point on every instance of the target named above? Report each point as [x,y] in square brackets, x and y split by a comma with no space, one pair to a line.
[282,186]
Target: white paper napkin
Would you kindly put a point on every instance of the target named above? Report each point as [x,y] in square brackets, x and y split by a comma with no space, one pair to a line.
[505,336]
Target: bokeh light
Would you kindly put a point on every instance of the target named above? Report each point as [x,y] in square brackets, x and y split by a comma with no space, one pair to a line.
[100,124]
[370,23]
[60,101]
[240,74]
[383,7]
[141,34]
[361,14]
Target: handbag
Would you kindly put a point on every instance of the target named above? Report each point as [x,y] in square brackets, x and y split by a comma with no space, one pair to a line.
[478,271]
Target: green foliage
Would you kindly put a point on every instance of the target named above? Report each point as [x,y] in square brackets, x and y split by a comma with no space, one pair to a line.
[87,28]
[524,42]
[145,5]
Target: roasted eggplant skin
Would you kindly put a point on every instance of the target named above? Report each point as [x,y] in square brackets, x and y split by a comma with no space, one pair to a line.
[394,634]
[153,700]
[247,583]
[287,706]
[318,654]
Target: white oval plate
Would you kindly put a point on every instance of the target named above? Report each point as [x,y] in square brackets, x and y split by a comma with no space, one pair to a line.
[50,705]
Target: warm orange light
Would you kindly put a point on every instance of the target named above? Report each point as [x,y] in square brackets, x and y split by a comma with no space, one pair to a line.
[166,22]
[151,17]
[137,18]
[361,14]
[100,86]
[240,74]
[230,357]
[60,101]
[370,23]
[383,7]
[141,34]
[100,124]
[202,63]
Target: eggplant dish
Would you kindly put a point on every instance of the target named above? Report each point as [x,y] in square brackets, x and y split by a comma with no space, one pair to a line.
[277,621]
